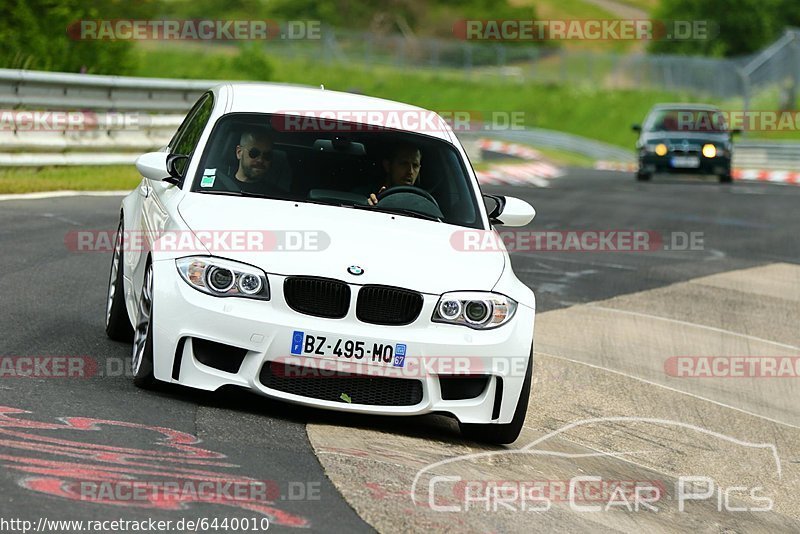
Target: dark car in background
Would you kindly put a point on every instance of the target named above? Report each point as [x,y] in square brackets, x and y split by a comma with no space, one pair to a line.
[684,139]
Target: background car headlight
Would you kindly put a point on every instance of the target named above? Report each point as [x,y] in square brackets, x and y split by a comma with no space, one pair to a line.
[475,309]
[709,151]
[224,278]
[655,148]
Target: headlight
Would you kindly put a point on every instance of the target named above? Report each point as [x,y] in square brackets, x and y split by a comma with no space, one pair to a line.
[710,151]
[661,149]
[224,278]
[475,309]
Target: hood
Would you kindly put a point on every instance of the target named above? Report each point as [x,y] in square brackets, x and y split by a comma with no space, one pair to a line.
[391,249]
[678,137]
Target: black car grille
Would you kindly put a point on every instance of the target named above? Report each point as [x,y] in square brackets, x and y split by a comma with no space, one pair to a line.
[679,149]
[320,297]
[388,305]
[341,387]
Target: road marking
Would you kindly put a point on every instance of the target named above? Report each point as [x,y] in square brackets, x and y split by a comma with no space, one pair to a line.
[579,262]
[60,218]
[58,194]
[705,327]
[669,388]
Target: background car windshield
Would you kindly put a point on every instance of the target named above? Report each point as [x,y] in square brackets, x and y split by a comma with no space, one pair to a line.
[340,164]
[686,120]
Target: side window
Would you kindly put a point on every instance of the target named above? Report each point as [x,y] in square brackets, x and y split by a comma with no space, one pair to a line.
[189,133]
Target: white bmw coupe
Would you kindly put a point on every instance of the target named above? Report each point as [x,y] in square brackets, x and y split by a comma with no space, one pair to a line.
[254,254]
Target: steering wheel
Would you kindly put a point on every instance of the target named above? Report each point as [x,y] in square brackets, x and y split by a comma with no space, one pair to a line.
[407,189]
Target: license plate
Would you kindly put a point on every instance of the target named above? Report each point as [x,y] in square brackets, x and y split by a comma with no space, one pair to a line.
[392,354]
[685,162]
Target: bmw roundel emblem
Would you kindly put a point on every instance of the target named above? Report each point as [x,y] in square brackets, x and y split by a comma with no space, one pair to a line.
[355,270]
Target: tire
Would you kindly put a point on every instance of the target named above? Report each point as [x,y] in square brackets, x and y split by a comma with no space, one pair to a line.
[504,433]
[142,355]
[643,177]
[725,178]
[118,324]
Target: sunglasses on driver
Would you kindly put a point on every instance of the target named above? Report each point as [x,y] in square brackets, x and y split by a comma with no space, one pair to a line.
[254,153]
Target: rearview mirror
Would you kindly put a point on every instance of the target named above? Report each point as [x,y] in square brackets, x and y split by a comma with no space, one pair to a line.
[340,145]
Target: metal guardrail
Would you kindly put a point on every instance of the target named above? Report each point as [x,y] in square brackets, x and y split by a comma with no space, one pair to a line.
[57,90]
[767,155]
[563,141]
[161,103]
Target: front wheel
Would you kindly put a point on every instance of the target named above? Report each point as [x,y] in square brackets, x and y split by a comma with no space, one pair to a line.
[643,176]
[142,356]
[725,178]
[504,433]
[118,324]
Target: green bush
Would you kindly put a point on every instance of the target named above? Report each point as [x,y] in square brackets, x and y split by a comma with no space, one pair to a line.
[744,26]
[250,63]
[34,35]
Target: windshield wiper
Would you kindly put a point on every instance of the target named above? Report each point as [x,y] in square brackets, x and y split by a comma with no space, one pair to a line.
[239,194]
[399,211]
[403,211]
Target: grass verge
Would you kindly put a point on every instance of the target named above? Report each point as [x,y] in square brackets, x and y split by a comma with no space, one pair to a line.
[79,178]
[583,110]
[602,114]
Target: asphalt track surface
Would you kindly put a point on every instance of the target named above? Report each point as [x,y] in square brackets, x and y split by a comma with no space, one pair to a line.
[606,321]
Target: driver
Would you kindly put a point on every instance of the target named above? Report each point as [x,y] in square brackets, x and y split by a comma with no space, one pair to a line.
[259,170]
[402,168]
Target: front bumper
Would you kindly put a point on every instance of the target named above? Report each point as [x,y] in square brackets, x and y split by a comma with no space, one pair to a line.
[653,163]
[264,331]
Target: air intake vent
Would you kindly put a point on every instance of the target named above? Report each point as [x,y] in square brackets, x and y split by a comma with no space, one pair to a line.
[218,355]
[341,387]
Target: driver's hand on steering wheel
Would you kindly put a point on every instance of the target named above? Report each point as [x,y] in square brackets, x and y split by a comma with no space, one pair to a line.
[373,199]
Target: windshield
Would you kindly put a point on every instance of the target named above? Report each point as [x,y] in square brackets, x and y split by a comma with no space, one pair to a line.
[343,165]
[686,120]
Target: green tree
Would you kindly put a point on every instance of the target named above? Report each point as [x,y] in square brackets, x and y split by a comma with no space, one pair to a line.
[34,34]
[423,17]
[743,26]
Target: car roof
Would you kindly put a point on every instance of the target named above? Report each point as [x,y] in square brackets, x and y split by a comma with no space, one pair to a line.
[295,99]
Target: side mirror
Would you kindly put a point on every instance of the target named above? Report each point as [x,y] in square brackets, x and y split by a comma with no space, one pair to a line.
[175,170]
[153,166]
[510,211]
[160,167]
[736,131]
[636,127]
